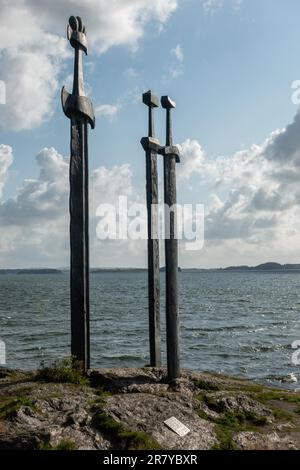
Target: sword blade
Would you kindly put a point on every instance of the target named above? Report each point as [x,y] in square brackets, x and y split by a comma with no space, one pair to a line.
[79,241]
[153,259]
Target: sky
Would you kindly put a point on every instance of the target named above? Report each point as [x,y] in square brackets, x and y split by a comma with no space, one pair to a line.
[228,64]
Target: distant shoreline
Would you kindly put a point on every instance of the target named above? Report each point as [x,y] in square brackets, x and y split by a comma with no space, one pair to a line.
[31,271]
[266,267]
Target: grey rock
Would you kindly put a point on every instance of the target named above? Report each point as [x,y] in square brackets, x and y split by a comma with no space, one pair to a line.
[141,400]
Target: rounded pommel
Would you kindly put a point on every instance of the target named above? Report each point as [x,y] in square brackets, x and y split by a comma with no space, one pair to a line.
[76,33]
[167,103]
[149,99]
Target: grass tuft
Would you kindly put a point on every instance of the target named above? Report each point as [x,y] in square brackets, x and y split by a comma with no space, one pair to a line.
[206,385]
[225,439]
[268,395]
[229,422]
[124,438]
[63,445]
[234,422]
[66,370]
[10,405]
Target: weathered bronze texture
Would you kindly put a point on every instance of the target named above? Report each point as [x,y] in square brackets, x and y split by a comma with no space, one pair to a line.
[79,109]
[151,147]
[171,156]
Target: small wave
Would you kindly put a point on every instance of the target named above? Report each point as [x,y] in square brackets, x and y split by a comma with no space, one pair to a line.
[123,357]
[216,329]
[30,349]
[291,378]
[266,348]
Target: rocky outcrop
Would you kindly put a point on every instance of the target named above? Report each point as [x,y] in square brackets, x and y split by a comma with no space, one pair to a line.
[126,409]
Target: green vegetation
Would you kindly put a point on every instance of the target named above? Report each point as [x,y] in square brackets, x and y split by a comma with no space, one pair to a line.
[212,404]
[10,405]
[65,370]
[206,385]
[247,387]
[63,445]
[229,422]
[225,439]
[102,396]
[282,415]
[233,422]
[16,375]
[268,395]
[123,437]
[238,420]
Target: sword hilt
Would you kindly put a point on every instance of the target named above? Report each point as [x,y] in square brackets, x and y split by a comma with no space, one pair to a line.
[168,104]
[77,102]
[150,100]
[169,149]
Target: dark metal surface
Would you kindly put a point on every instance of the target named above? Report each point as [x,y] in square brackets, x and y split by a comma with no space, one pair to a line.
[171,156]
[150,100]
[78,108]
[151,147]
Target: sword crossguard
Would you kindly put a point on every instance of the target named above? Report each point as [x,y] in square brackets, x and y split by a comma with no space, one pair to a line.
[150,143]
[170,151]
[81,105]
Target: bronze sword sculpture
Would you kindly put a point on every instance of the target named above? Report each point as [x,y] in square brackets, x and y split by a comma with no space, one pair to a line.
[79,109]
[171,157]
[151,146]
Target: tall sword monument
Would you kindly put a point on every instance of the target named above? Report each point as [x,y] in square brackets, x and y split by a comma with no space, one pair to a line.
[151,146]
[171,156]
[79,109]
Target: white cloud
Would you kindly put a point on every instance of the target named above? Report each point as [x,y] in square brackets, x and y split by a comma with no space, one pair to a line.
[31,82]
[211,6]
[178,53]
[108,111]
[178,58]
[129,96]
[252,201]
[120,22]
[194,161]
[35,222]
[29,58]
[254,195]
[33,46]
[6,159]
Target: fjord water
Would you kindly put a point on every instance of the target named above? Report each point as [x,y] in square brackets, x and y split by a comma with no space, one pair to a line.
[238,323]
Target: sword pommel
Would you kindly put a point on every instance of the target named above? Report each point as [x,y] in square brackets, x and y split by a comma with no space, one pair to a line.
[167,103]
[76,33]
[149,99]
